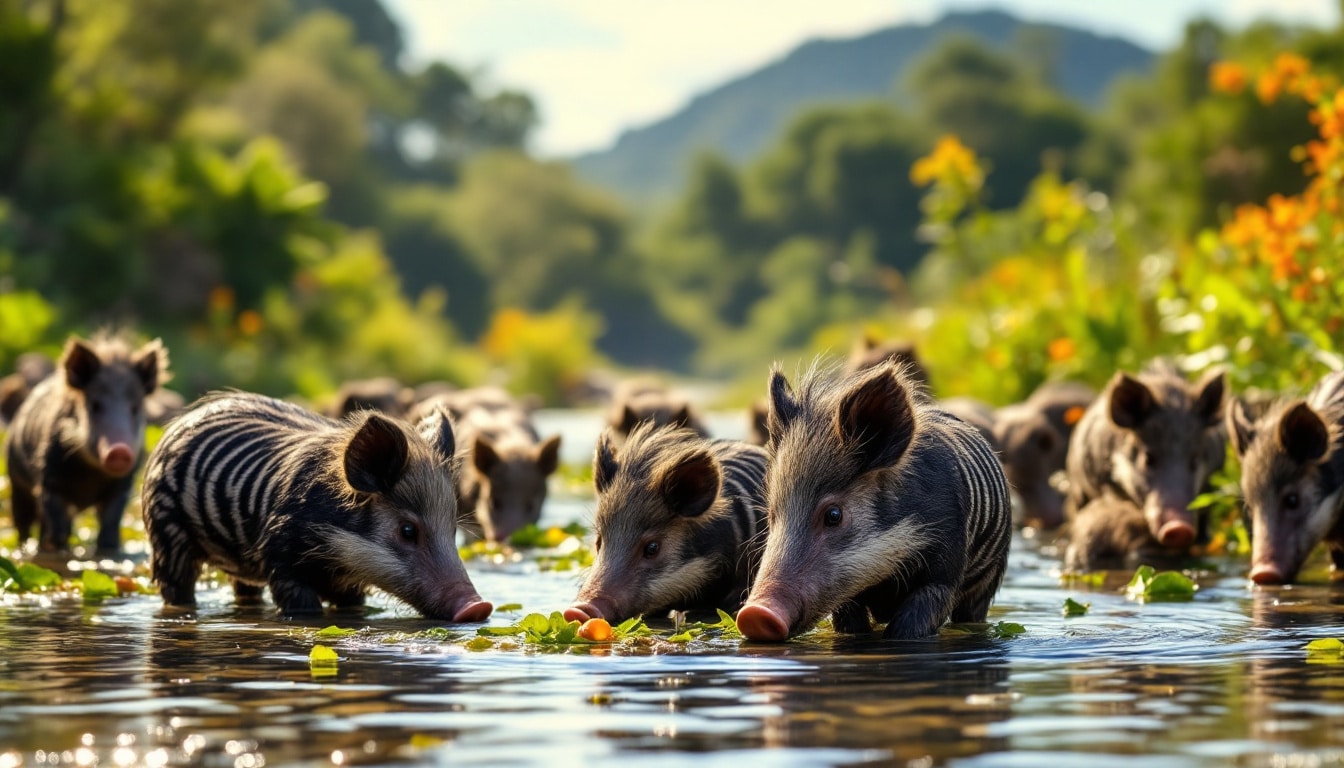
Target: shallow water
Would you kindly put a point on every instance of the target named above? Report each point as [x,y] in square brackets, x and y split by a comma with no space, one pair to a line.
[1220,680]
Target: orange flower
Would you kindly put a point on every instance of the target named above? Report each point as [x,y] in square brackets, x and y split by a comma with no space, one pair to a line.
[1227,77]
[249,322]
[1267,87]
[221,298]
[1062,349]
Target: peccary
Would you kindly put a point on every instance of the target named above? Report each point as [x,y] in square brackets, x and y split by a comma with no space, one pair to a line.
[1109,533]
[317,510]
[1032,438]
[869,352]
[1153,441]
[758,415]
[503,484]
[78,438]
[643,400]
[383,394]
[676,515]
[1292,475]
[29,370]
[880,505]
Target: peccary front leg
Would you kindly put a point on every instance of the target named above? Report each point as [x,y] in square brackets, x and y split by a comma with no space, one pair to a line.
[109,519]
[56,523]
[347,598]
[922,612]
[24,511]
[1336,558]
[245,593]
[294,598]
[851,618]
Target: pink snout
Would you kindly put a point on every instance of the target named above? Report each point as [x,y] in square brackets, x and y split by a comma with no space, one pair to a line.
[597,608]
[763,622]
[473,609]
[117,459]
[1266,573]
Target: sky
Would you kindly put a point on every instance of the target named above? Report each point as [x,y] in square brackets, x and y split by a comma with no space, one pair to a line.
[597,67]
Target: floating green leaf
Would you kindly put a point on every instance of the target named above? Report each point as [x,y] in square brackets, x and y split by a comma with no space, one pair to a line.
[500,631]
[1148,584]
[1095,579]
[480,644]
[1074,608]
[1006,629]
[685,637]
[509,607]
[335,631]
[27,577]
[97,585]
[1326,644]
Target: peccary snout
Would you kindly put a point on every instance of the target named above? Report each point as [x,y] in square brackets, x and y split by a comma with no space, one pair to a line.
[595,607]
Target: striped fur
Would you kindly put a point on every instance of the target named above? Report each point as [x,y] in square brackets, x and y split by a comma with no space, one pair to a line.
[318,510]
[1292,478]
[699,501]
[924,514]
[94,401]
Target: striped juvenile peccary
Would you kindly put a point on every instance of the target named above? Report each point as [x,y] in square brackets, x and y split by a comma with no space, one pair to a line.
[881,506]
[1292,476]
[274,495]
[641,401]
[78,438]
[869,352]
[506,465]
[676,514]
[1152,441]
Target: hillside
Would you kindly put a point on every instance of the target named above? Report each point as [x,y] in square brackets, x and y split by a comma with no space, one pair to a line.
[740,117]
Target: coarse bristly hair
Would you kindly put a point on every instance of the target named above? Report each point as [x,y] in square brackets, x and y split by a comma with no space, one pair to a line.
[116,346]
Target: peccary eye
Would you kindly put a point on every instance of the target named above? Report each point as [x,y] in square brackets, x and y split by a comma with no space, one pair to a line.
[833,516]
[651,549]
[1291,500]
[409,532]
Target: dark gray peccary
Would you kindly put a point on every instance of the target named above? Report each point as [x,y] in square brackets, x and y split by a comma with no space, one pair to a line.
[881,507]
[869,352]
[1153,441]
[758,416]
[1292,477]
[78,438]
[1109,533]
[639,401]
[676,518]
[1032,438]
[505,468]
[315,509]
[29,371]
[974,412]
[384,394]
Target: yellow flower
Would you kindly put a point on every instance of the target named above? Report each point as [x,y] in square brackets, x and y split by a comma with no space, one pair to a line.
[950,161]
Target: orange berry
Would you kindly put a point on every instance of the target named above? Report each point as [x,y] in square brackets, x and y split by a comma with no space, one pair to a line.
[125,585]
[597,630]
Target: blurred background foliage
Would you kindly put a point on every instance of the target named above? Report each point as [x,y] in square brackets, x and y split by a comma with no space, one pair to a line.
[274,190]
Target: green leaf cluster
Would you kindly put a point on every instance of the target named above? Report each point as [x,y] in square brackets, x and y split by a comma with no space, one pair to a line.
[1151,585]
[28,577]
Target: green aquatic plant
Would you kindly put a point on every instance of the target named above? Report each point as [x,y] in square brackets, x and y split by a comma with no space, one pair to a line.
[26,577]
[1149,584]
[335,631]
[1074,608]
[96,585]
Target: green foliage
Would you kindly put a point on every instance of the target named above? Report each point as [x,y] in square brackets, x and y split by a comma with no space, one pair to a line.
[1074,608]
[95,586]
[1150,585]
[26,577]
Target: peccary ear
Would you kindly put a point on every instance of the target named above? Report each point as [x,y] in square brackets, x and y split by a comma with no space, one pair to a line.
[604,462]
[1240,427]
[1209,401]
[437,428]
[484,455]
[149,363]
[681,417]
[375,457]
[877,418]
[691,486]
[80,362]
[1131,401]
[1303,435]
[760,419]
[548,455]
[783,405]
[629,419]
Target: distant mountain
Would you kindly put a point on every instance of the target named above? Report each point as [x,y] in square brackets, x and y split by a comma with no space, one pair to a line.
[740,118]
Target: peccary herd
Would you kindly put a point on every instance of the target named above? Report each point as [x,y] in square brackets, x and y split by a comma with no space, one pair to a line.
[858,497]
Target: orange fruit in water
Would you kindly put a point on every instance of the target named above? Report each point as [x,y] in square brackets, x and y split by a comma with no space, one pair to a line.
[597,630]
[126,585]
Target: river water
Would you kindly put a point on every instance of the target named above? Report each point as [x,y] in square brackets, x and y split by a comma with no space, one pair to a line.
[1222,679]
